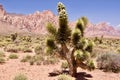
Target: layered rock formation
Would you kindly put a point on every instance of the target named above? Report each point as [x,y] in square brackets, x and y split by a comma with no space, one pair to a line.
[2,11]
[35,24]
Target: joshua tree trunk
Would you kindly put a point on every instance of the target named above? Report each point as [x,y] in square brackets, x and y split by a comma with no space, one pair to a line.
[72,69]
[70,59]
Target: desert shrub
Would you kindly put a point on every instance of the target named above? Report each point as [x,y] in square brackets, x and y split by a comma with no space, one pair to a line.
[38,59]
[13,56]
[32,61]
[50,60]
[11,48]
[65,77]
[38,50]
[109,62]
[3,43]
[25,49]
[118,50]
[102,46]
[20,77]
[2,54]
[26,58]
[64,65]
[28,39]
[8,40]
[2,60]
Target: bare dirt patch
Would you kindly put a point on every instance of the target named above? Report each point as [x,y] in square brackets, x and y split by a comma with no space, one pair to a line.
[12,67]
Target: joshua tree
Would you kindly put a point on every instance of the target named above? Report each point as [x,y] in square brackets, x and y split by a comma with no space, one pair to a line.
[14,36]
[70,44]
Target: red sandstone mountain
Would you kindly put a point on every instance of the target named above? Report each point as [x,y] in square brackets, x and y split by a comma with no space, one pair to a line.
[35,24]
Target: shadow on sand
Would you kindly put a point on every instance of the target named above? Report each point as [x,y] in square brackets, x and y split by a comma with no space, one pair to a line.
[83,76]
[79,75]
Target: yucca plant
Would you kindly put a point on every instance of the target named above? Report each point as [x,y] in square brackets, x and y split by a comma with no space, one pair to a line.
[70,44]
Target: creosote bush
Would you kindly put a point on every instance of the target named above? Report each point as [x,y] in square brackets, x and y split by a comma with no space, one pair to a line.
[71,45]
[109,62]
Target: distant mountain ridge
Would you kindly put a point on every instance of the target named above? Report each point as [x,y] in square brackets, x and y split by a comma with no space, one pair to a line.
[35,24]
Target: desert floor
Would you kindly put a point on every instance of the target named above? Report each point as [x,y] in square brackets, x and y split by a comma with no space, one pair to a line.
[13,67]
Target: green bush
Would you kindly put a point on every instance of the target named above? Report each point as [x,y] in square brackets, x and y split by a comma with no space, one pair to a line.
[13,56]
[20,77]
[2,60]
[109,62]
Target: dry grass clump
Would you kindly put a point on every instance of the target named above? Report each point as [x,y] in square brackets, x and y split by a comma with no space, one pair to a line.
[13,56]
[20,77]
[65,77]
[2,60]
[26,58]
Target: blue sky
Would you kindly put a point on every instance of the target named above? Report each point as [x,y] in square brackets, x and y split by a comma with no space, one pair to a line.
[96,10]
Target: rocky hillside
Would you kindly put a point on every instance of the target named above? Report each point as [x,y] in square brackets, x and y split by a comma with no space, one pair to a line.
[35,24]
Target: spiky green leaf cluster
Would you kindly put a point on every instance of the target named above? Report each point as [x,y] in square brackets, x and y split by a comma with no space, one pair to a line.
[51,29]
[76,36]
[85,20]
[81,55]
[91,65]
[64,31]
[90,46]
[50,45]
